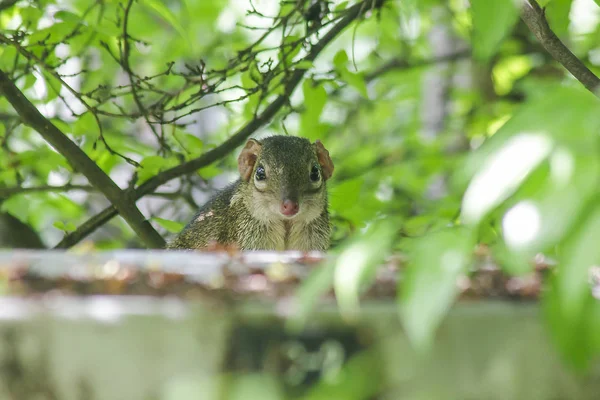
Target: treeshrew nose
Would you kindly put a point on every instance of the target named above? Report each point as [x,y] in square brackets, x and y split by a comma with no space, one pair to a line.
[289,207]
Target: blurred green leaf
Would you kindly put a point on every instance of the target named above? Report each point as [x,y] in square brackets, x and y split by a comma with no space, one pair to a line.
[360,378]
[511,263]
[356,80]
[343,197]
[508,70]
[151,166]
[7,57]
[341,6]
[533,223]
[579,253]
[55,32]
[30,15]
[502,174]
[53,86]
[312,289]
[163,11]
[357,262]
[565,117]
[67,16]
[170,226]
[572,312]
[85,124]
[29,82]
[492,20]
[304,64]
[17,206]
[59,225]
[558,15]
[429,286]
[210,172]
[290,49]
[190,143]
[315,98]
[340,60]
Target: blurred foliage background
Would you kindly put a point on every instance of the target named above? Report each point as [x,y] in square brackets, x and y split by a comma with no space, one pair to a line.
[449,123]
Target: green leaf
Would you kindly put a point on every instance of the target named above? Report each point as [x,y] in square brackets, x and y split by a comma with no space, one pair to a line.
[570,308]
[17,206]
[53,86]
[564,117]
[344,196]
[579,253]
[312,289]
[492,20]
[502,173]
[163,11]
[429,288]
[356,80]
[417,225]
[30,16]
[56,204]
[291,47]
[59,225]
[7,57]
[557,13]
[511,263]
[151,166]
[85,125]
[508,70]
[170,226]
[341,6]
[189,142]
[54,33]
[210,171]
[356,264]
[62,125]
[304,64]
[67,16]
[359,378]
[30,80]
[532,224]
[315,98]
[340,60]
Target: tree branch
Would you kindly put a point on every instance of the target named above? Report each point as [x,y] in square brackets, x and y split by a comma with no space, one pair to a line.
[80,162]
[6,192]
[234,141]
[534,17]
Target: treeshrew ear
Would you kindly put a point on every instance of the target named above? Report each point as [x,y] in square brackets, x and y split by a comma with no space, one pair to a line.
[324,159]
[247,158]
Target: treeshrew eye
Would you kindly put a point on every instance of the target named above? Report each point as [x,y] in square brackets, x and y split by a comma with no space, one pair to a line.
[315,174]
[260,173]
